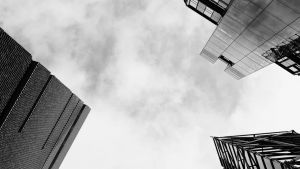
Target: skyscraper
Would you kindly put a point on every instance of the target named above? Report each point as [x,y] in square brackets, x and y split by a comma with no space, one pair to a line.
[252,34]
[39,116]
[277,150]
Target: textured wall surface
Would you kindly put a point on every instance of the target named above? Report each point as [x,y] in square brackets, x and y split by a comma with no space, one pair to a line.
[39,116]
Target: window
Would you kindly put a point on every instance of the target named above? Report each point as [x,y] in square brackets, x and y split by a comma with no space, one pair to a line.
[293,69]
[268,163]
[277,165]
[194,3]
[288,63]
[216,16]
[208,12]
[201,7]
[260,162]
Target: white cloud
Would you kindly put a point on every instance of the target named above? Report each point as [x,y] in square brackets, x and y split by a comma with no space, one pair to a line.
[154,100]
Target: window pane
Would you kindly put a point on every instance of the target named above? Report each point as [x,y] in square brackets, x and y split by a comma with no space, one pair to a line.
[268,163]
[260,162]
[208,12]
[277,165]
[201,7]
[216,16]
[288,63]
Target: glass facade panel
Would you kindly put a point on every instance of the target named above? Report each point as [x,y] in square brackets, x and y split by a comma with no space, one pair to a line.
[261,3]
[228,30]
[259,59]
[293,69]
[216,50]
[249,8]
[208,12]
[240,48]
[216,16]
[201,7]
[234,53]
[266,46]
[288,63]
[230,57]
[283,12]
[277,165]
[260,162]
[207,54]
[261,30]
[223,36]
[218,42]
[254,38]
[287,32]
[275,40]
[251,63]
[296,25]
[193,3]
[233,24]
[271,22]
[268,163]
[240,69]
[244,67]
[245,42]
[239,16]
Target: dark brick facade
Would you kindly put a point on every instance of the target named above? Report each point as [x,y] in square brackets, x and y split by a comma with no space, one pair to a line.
[39,116]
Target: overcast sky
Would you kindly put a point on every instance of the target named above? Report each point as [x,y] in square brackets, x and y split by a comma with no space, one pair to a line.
[155,102]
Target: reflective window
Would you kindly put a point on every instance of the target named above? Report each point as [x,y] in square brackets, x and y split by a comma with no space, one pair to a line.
[216,16]
[268,163]
[223,36]
[206,53]
[260,162]
[193,3]
[296,25]
[239,68]
[201,7]
[239,16]
[247,43]
[208,12]
[287,32]
[249,62]
[235,53]
[230,57]
[243,50]
[281,11]
[277,165]
[261,29]
[293,69]
[288,63]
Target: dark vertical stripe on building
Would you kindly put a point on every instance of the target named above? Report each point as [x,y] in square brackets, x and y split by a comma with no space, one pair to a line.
[35,103]
[14,61]
[63,133]
[17,92]
[62,112]
[69,138]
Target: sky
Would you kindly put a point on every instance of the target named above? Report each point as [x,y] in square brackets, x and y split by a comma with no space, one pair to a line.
[155,101]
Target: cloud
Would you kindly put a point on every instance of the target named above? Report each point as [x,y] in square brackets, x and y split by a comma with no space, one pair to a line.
[154,100]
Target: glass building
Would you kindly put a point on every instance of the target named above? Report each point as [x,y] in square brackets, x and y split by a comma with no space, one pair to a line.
[252,34]
[277,150]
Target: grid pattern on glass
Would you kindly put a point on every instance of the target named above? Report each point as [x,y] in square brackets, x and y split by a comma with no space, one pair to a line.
[277,150]
[204,9]
[252,27]
[222,3]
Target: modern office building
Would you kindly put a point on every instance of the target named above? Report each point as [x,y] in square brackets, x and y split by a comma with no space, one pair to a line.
[252,34]
[277,150]
[39,116]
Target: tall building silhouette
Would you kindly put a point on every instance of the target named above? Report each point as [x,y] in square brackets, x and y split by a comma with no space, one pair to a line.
[252,34]
[39,116]
[277,150]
